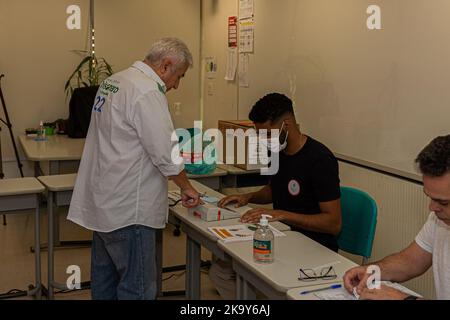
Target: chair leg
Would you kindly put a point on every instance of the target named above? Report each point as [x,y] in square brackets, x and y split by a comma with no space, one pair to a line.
[4,220]
[364,261]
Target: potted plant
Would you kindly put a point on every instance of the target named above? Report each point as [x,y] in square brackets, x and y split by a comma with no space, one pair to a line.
[89,73]
[82,87]
[83,84]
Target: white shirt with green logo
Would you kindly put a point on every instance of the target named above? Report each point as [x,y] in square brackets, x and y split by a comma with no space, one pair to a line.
[122,179]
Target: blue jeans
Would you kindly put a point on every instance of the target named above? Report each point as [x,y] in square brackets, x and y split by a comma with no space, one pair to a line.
[123,264]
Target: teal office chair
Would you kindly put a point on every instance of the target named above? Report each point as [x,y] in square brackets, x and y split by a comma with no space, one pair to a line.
[359,221]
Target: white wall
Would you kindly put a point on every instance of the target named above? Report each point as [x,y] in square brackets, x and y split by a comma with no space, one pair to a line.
[382,92]
[36,59]
[402,205]
[126,30]
[222,104]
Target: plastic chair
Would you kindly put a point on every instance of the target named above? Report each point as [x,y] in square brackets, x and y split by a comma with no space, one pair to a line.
[359,221]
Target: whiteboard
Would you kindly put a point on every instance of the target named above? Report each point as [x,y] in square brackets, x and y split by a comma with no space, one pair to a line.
[375,95]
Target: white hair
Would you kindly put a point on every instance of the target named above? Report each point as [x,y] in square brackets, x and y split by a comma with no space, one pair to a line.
[170,48]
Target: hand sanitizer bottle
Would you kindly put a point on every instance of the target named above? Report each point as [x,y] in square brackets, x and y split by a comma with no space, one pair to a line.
[263,242]
[41,132]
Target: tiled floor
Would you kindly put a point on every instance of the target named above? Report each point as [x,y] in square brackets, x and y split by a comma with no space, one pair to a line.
[17,262]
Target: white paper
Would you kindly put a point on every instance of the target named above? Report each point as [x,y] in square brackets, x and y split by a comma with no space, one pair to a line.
[246,9]
[342,293]
[335,294]
[246,35]
[211,67]
[243,70]
[231,64]
[239,232]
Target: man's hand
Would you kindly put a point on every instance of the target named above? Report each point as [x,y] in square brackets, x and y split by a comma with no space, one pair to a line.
[356,277]
[240,200]
[384,293]
[254,215]
[190,198]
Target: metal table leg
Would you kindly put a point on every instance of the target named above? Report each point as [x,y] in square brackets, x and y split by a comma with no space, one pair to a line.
[50,245]
[57,243]
[52,284]
[37,292]
[248,291]
[239,284]
[37,169]
[193,261]
[244,290]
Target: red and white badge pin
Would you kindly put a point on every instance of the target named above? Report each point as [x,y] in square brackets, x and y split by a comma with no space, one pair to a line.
[294,188]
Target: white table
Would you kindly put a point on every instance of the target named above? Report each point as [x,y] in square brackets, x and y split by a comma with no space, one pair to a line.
[55,149]
[292,252]
[198,235]
[211,180]
[61,148]
[237,177]
[22,194]
[235,170]
[295,294]
[60,188]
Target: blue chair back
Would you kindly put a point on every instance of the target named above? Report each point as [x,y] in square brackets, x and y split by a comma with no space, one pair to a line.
[359,222]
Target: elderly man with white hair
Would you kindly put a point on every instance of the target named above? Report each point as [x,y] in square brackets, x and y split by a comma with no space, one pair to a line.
[122,182]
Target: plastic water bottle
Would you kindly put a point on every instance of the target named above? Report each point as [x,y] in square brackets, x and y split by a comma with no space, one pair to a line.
[263,242]
[41,132]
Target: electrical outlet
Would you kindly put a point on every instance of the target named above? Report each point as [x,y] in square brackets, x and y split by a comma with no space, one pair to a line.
[210,89]
[177,108]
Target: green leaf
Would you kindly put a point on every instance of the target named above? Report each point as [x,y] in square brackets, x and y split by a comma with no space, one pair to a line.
[89,72]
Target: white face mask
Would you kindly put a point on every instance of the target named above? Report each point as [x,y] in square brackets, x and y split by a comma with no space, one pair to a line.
[274,144]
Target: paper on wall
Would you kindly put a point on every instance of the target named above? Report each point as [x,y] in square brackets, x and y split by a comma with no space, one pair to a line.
[246,35]
[243,70]
[246,9]
[231,64]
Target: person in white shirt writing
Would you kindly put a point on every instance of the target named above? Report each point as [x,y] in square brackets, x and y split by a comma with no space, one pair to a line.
[431,247]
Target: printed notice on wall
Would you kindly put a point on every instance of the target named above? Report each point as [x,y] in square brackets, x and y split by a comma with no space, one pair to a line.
[232,32]
[243,70]
[246,9]
[210,67]
[231,64]
[246,35]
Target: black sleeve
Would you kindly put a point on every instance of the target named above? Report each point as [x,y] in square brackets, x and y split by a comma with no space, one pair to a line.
[325,179]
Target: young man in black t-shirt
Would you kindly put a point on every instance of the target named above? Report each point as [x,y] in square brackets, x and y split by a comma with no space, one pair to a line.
[305,191]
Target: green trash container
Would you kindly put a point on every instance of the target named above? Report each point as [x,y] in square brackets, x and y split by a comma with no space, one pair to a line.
[194,162]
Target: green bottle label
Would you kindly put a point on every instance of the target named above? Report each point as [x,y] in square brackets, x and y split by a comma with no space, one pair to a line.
[262,247]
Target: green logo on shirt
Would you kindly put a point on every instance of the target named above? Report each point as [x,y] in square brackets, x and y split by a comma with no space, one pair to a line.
[162,88]
[107,86]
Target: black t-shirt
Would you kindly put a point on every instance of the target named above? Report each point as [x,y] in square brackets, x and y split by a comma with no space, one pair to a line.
[303,180]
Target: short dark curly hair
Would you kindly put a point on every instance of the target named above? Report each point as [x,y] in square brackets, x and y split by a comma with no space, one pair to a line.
[271,107]
[434,159]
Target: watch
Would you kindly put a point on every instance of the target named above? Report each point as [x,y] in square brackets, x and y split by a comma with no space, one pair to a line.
[410,297]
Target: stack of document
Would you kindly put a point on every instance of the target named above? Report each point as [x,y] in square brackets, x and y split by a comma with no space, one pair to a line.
[242,232]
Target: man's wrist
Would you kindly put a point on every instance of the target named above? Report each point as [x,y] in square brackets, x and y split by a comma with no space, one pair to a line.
[281,215]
